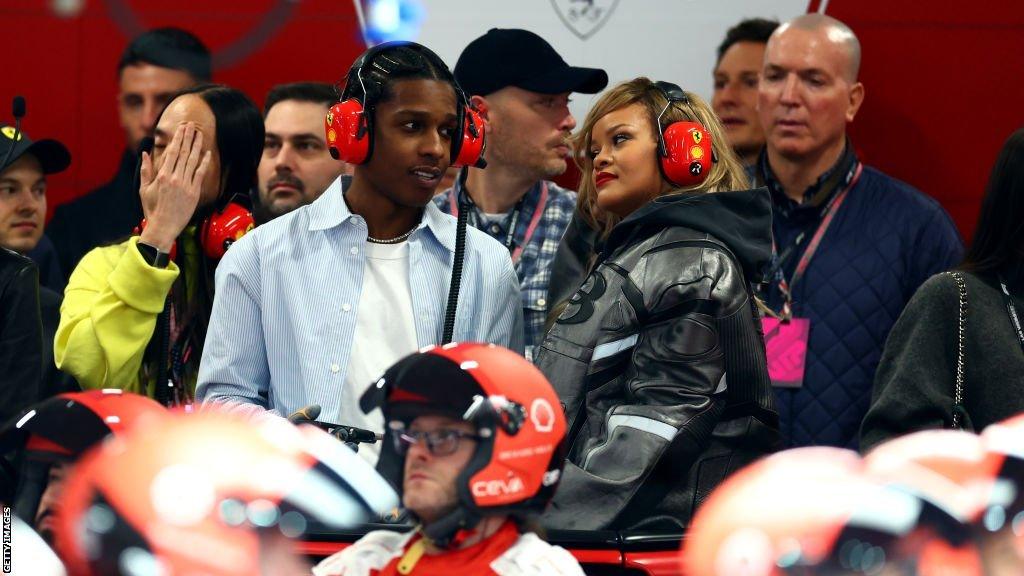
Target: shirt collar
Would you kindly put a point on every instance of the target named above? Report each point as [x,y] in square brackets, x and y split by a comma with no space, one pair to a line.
[331,210]
[441,225]
[847,158]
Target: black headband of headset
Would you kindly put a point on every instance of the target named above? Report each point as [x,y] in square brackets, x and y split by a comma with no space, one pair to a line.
[672,92]
[354,76]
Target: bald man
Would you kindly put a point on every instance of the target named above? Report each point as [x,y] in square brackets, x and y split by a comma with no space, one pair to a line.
[853,244]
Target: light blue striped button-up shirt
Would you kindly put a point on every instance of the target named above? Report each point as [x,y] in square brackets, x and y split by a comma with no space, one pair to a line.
[287,297]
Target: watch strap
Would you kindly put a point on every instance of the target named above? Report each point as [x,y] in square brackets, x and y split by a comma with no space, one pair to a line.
[153,256]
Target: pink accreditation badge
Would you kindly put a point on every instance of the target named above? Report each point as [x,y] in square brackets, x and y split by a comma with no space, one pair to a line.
[786,343]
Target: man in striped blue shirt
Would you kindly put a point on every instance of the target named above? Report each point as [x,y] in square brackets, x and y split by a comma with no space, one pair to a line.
[312,307]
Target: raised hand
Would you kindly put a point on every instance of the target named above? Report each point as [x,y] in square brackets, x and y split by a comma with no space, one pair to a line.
[171,192]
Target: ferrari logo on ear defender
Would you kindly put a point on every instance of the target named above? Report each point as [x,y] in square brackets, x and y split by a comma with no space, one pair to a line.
[696,136]
[330,117]
[9,132]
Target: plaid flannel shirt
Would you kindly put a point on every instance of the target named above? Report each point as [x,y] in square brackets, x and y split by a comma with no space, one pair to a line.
[534,265]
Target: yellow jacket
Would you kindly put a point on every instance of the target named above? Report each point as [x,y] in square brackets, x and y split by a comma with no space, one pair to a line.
[109,313]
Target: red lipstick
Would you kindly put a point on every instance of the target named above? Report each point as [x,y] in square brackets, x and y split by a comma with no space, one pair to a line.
[603,178]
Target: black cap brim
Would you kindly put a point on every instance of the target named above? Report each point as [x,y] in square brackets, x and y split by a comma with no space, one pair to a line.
[52,155]
[567,79]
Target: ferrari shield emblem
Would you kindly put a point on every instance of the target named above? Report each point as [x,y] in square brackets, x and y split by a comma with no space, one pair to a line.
[584,17]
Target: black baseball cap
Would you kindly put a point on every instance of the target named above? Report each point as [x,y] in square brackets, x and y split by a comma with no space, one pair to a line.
[52,155]
[512,57]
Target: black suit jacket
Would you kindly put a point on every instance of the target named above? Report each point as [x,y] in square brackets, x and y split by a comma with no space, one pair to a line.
[103,216]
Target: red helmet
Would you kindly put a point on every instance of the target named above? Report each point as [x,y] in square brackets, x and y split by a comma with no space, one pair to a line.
[978,479]
[1006,439]
[197,494]
[518,462]
[62,428]
[65,426]
[811,510]
[951,468]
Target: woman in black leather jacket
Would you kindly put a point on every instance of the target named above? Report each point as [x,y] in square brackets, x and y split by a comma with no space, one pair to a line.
[658,357]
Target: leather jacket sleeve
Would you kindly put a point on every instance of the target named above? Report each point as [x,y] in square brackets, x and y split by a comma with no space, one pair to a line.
[21,340]
[674,385]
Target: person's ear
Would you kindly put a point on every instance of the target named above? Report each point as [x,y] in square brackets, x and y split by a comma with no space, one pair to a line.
[480,104]
[856,99]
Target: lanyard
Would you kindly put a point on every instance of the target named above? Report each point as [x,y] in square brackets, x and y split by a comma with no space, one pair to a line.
[510,235]
[1012,311]
[828,214]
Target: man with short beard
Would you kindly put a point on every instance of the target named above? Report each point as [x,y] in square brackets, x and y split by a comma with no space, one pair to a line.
[296,167]
[521,87]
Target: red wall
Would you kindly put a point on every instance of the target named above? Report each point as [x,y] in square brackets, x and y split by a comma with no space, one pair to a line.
[945,88]
[945,80]
[67,68]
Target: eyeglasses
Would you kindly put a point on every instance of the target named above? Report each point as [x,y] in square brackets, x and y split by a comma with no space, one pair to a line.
[442,442]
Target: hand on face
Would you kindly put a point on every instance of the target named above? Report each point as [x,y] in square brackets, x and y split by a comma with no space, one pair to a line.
[171,193]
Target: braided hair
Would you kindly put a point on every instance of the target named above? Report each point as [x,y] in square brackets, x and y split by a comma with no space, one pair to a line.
[371,81]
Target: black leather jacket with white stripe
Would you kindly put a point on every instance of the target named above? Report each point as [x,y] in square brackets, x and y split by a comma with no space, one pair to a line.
[660,363]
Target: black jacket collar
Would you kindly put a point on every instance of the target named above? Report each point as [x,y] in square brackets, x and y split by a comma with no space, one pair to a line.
[741,220]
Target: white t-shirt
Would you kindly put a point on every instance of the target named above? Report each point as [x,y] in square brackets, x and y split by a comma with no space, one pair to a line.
[385,333]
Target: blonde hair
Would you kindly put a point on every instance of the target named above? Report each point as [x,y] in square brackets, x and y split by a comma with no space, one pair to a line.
[726,174]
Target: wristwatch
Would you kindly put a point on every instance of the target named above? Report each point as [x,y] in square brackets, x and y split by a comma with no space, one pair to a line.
[153,256]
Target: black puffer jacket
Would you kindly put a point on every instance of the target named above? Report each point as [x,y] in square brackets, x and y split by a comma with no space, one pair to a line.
[660,363]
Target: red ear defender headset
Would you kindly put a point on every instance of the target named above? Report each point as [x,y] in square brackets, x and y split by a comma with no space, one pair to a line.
[218,231]
[224,227]
[685,150]
[228,222]
[349,123]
